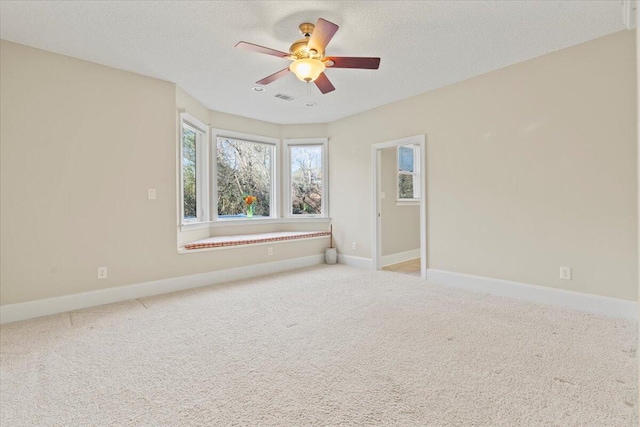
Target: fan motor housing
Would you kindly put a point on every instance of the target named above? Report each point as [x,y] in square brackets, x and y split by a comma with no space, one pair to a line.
[298,49]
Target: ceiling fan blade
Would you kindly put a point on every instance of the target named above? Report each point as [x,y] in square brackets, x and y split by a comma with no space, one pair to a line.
[322,35]
[273,77]
[324,84]
[261,49]
[354,62]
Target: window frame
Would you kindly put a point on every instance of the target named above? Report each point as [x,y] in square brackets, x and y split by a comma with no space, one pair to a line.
[275,174]
[202,168]
[323,143]
[279,182]
[416,175]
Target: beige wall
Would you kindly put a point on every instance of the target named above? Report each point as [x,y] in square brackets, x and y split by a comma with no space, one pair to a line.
[400,225]
[529,168]
[80,145]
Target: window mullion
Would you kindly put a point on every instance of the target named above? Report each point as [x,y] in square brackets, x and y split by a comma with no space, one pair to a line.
[286,180]
[206,167]
[213,177]
[275,179]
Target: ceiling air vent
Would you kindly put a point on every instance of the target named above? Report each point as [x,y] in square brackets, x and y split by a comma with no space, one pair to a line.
[285,97]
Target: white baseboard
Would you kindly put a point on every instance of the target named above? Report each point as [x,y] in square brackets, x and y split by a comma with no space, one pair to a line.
[44,307]
[613,307]
[355,261]
[399,257]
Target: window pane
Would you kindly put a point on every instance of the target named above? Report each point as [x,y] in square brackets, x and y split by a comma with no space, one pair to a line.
[244,169]
[306,180]
[405,158]
[405,189]
[189,173]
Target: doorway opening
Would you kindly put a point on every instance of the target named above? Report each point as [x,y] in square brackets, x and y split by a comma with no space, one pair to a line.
[399,205]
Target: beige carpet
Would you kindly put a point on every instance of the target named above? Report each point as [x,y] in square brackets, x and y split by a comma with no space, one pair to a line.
[330,345]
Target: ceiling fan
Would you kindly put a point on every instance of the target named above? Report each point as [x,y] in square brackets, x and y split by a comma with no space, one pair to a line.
[308,56]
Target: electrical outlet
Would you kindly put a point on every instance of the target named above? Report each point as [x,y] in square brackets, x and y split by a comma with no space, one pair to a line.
[565,273]
[269,251]
[383,195]
[151,193]
[102,272]
[354,246]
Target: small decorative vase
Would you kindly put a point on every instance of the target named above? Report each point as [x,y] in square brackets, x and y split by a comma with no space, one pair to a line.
[250,210]
[330,255]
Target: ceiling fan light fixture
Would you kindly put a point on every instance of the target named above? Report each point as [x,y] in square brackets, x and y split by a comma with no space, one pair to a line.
[309,56]
[307,70]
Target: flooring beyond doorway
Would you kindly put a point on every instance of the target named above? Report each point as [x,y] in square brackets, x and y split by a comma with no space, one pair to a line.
[411,267]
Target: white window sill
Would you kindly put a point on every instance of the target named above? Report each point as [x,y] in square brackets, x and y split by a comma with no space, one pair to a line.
[408,202]
[252,221]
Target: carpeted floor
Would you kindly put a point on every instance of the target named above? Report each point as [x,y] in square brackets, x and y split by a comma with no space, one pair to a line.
[329,345]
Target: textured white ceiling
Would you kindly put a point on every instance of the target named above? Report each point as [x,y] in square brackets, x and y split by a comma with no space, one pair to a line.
[423,45]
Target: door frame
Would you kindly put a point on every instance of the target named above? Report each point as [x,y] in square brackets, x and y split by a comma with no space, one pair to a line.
[375,191]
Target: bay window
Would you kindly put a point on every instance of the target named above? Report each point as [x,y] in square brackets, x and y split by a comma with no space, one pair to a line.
[232,178]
